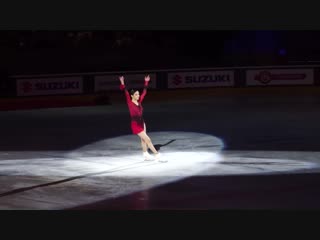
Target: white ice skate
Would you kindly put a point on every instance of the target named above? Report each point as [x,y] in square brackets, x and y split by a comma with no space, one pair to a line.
[147,156]
[159,158]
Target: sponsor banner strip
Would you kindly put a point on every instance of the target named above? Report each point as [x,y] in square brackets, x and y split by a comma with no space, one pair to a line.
[201,79]
[111,82]
[279,77]
[49,86]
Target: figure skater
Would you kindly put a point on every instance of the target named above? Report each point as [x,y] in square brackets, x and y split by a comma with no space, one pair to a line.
[138,126]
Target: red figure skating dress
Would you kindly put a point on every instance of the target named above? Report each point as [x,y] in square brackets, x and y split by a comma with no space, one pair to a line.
[136,111]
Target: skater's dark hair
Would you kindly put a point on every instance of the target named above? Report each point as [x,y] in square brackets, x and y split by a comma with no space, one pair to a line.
[133,90]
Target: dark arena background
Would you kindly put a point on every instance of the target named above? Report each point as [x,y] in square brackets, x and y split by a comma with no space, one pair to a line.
[234,113]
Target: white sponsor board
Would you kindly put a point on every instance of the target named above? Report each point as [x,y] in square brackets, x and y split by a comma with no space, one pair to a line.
[279,77]
[201,79]
[111,82]
[49,86]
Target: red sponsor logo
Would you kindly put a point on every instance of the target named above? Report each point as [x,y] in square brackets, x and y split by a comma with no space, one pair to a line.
[177,79]
[266,76]
[26,87]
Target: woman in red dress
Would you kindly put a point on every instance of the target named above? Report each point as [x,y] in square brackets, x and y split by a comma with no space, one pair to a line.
[138,126]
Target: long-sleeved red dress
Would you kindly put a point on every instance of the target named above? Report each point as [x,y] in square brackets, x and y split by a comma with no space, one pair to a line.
[136,111]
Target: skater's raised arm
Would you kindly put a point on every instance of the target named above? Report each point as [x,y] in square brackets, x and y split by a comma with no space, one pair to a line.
[144,92]
[123,88]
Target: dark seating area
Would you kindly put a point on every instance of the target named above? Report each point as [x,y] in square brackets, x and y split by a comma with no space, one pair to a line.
[32,52]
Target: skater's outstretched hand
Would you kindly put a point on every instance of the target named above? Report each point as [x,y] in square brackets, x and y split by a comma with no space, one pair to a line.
[121,78]
[147,78]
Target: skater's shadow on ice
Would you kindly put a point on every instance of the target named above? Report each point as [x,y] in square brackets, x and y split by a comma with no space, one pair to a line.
[158,146]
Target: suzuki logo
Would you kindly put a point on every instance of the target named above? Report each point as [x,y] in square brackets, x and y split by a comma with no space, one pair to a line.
[177,79]
[26,87]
